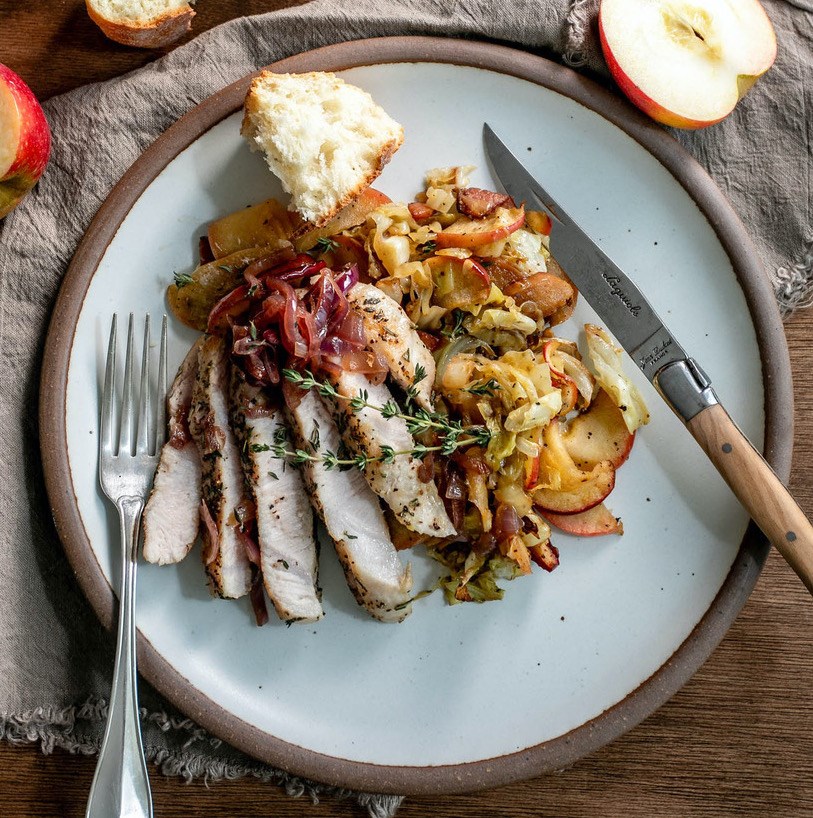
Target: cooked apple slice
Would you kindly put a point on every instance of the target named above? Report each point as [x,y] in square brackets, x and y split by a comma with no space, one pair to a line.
[256,226]
[349,216]
[458,282]
[477,232]
[686,63]
[594,522]
[584,496]
[599,434]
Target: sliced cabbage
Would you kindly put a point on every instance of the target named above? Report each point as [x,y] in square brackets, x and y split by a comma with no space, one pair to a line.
[531,415]
[510,319]
[527,251]
[606,360]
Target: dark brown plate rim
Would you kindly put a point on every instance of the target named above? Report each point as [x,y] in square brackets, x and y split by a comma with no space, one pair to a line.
[550,755]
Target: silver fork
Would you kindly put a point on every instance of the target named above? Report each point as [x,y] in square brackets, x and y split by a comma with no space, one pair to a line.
[121,786]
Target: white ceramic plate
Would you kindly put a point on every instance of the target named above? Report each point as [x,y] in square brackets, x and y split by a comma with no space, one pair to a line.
[470,683]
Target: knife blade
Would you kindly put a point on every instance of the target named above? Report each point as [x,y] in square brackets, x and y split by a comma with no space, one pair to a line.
[678,378]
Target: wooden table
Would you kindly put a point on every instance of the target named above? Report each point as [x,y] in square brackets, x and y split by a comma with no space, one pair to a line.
[738,739]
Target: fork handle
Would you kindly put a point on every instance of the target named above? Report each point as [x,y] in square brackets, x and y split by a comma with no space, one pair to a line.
[121,786]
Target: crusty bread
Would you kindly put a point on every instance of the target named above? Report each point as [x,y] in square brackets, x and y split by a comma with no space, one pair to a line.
[142,23]
[325,140]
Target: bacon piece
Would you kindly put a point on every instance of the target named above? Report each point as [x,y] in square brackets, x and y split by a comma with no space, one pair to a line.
[477,203]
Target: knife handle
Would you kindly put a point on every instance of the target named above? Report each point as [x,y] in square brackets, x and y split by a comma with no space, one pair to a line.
[757,487]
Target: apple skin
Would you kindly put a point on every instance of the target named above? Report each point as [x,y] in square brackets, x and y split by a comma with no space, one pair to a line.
[595,522]
[33,143]
[654,109]
[476,233]
[581,498]
[599,434]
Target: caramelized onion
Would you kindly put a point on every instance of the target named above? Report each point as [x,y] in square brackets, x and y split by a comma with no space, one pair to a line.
[506,522]
[258,600]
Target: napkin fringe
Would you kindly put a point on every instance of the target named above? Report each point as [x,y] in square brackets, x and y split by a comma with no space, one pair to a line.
[54,727]
[794,285]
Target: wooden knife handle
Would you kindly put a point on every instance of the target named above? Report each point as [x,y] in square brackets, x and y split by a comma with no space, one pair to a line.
[758,488]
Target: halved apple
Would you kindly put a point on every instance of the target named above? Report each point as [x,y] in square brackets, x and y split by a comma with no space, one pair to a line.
[25,140]
[594,522]
[581,498]
[479,232]
[686,63]
[599,434]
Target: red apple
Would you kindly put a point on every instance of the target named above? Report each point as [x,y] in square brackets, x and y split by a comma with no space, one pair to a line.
[477,232]
[599,434]
[686,63]
[580,498]
[25,140]
[594,522]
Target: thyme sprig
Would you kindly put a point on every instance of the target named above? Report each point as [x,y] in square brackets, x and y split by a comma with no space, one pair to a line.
[451,434]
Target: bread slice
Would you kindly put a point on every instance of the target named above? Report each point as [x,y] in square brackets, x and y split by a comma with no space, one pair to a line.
[325,140]
[142,23]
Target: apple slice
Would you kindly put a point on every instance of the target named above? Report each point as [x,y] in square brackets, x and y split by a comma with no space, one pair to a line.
[458,282]
[25,140]
[581,498]
[349,216]
[686,63]
[599,434]
[478,232]
[595,522]
[255,226]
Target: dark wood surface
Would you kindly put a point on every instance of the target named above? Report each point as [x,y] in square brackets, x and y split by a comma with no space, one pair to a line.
[737,740]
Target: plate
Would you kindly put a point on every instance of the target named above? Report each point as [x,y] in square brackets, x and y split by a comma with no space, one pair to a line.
[455,698]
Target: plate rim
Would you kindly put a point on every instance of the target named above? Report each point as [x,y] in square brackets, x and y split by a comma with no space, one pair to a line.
[548,756]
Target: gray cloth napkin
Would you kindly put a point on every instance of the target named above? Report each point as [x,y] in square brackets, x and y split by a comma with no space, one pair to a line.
[55,659]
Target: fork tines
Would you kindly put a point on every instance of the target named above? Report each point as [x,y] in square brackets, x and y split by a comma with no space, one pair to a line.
[142,425]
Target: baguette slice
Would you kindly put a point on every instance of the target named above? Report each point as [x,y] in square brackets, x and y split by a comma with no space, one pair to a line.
[142,23]
[325,140]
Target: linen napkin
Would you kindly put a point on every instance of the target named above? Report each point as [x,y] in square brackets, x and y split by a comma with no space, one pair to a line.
[55,659]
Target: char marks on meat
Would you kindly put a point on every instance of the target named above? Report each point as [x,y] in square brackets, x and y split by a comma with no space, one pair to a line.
[224,492]
[392,336]
[285,525]
[351,513]
[416,504]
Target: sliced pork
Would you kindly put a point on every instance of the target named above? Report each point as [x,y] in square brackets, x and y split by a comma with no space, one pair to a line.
[392,335]
[351,513]
[416,504]
[224,493]
[285,525]
[172,515]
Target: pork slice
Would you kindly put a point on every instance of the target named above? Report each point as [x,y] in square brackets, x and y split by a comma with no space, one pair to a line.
[223,484]
[285,525]
[352,515]
[171,517]
[416,504]
[391,334]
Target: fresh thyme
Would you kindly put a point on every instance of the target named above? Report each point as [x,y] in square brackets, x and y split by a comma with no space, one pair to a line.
[457,329]
[326,244]
[487,388]
[451,434]
[182,280]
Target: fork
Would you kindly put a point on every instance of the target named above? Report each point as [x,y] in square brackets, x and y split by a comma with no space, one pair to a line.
[121,786]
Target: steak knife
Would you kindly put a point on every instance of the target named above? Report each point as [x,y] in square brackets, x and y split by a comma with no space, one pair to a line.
[679,379]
